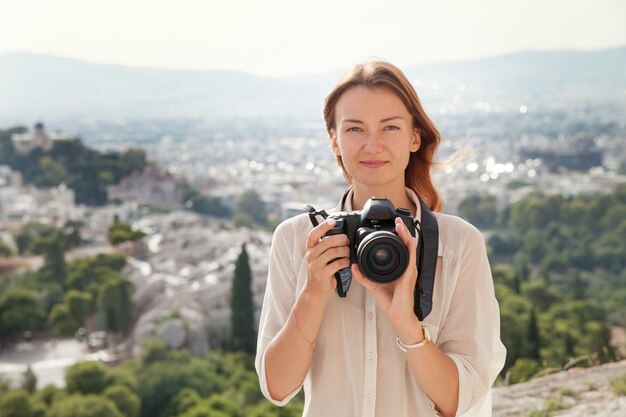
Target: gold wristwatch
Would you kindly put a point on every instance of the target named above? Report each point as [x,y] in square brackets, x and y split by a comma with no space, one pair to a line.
[404,347]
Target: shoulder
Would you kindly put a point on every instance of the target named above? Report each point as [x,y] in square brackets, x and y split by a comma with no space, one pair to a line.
[293,229]
[457,232]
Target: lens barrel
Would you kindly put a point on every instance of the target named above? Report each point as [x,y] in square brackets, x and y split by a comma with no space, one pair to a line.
[382,256]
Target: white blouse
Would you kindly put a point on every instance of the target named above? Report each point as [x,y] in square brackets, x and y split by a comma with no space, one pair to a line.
[357,367]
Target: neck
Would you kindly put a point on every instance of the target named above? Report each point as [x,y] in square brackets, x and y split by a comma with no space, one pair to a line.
[398,197]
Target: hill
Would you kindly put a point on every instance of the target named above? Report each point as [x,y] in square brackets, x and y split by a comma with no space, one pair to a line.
[47,87]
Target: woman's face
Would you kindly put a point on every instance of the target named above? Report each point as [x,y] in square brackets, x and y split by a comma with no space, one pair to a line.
[374,136]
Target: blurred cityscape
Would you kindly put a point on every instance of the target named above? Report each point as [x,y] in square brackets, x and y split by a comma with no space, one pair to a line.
[496,146]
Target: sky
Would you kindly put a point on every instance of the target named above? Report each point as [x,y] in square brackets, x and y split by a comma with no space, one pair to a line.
[293,37]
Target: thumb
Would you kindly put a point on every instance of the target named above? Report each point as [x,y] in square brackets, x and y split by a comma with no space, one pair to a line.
[358,276]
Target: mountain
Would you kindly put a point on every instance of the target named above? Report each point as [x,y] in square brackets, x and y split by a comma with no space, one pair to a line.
[43,87]
[594,74]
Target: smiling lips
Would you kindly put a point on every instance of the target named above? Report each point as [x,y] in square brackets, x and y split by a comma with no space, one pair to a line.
[373,164]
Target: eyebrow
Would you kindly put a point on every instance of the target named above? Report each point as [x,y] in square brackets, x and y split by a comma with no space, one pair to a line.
[360,121]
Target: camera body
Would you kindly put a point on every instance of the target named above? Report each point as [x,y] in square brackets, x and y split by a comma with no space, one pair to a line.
[374,244]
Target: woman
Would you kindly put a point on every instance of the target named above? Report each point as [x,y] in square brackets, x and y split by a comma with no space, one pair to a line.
[368,354]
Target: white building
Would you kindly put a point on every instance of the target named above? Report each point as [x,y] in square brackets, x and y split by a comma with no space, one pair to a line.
[24,143]
[153,186]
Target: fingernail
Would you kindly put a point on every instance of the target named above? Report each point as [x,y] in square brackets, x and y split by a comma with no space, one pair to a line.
[331,222]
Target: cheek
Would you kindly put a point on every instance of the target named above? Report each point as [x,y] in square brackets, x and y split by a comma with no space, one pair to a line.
[342,148]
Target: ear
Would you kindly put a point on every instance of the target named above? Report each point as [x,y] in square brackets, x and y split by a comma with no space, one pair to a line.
[334,143]
[416,140]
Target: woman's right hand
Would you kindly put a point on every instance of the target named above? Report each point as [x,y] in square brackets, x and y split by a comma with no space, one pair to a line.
[325,257]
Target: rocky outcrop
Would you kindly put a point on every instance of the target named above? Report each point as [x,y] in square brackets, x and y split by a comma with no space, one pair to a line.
[577,392]
[183,283]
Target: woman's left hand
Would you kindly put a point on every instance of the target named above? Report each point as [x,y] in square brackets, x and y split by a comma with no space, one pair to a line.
[395,298]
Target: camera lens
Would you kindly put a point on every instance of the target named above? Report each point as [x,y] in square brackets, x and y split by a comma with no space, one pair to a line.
[382,256]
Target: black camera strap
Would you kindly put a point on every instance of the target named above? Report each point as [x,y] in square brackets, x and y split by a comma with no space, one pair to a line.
[428,247]
[428,240]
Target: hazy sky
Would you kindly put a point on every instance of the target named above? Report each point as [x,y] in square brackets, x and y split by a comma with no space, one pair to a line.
[279,37]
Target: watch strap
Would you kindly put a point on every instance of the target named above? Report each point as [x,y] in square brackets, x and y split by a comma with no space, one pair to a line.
[405,347]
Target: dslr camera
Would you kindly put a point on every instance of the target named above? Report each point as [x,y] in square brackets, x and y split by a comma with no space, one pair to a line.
[374,244]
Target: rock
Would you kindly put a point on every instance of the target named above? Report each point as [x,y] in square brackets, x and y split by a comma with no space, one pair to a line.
[172,332]
[188,276]
[574,393]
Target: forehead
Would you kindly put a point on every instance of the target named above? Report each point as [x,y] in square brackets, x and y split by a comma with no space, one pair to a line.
[365,102]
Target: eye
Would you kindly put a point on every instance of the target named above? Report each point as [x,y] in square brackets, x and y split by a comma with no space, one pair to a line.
[391,127]
[353,129]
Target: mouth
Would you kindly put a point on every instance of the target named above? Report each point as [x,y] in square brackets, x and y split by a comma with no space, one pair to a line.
[373,163]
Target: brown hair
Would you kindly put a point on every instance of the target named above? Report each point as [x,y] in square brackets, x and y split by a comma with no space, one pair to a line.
[380,74]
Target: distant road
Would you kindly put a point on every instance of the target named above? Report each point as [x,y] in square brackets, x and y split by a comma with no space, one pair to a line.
[49,360]
[89,251]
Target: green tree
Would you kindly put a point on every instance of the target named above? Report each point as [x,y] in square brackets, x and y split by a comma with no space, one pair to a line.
[204,204]
[50,173]
[124,399]
[251,204]
[534,339]
[72,232]
[186,399]
[578,292]
[242,307]
[87,378]
[116,303]
[29,233]
[267,409]
[29,380]
[161,381]
[5,250]
[61,320]
[48,394]
[81,406]
[122,232]
[479,210]
[540,294]
[78,305]
[523,370]
[53,249]
[85,274]
[214,406]
[569,345]
[20,310]
[241,219]
[17,403]
[601,343]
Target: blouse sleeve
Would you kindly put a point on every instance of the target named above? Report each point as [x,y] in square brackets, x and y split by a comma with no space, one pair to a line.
[471,331]
[278,300]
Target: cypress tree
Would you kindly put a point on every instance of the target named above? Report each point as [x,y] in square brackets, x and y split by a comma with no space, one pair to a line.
[534,339]
[517,283]
[116,304]
[242,310]
[579,288]
[569,345]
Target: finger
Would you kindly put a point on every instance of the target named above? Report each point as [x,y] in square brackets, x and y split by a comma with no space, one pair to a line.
[409,277]
[333,241]
[329,243]
[336,265]
[318,231]
[402,231]
[319,261]
[358,276]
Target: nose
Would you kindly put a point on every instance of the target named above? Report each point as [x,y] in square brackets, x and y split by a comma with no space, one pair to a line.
[373,143]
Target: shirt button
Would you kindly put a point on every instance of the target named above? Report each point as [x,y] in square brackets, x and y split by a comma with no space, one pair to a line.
[370,315]
[370,355]
[369,397]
